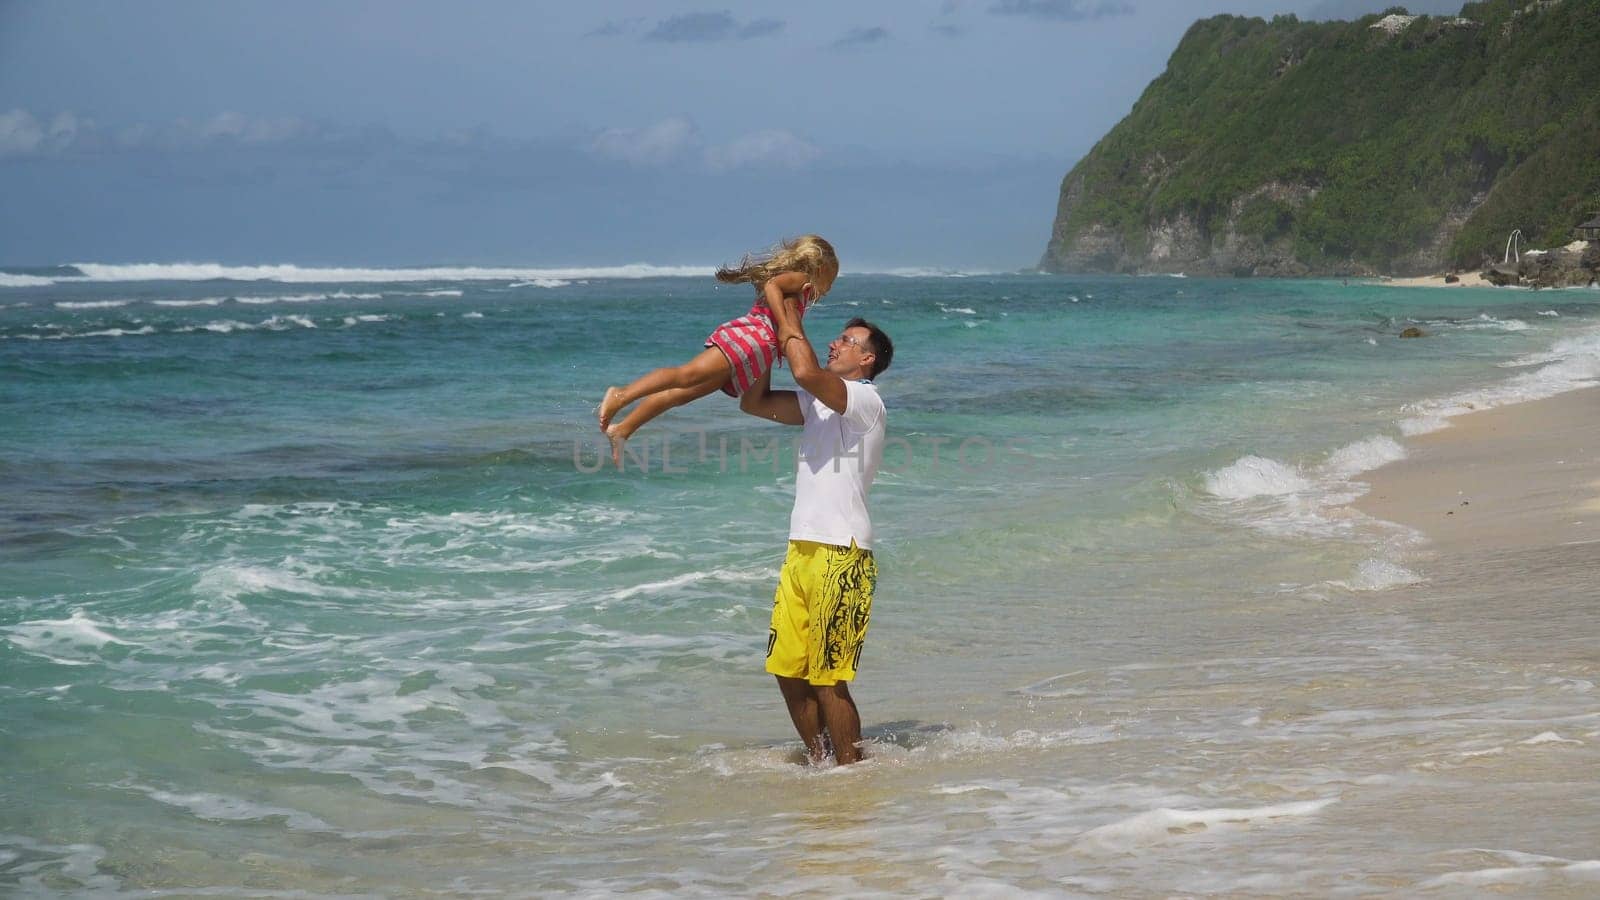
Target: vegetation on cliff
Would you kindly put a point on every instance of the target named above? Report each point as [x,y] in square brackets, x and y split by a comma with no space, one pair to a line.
[1340,146]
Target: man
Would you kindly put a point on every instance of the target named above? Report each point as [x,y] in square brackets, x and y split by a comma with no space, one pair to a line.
[824,595]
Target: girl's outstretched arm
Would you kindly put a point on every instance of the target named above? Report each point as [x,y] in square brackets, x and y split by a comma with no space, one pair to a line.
[780,292]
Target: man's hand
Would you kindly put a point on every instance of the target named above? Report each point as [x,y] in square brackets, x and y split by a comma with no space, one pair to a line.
[777,406]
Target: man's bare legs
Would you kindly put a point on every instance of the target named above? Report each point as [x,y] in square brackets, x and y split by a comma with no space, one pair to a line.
[818,708]
[842,719]
[806,714]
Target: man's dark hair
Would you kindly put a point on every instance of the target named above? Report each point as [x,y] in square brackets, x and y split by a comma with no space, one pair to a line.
[882,347]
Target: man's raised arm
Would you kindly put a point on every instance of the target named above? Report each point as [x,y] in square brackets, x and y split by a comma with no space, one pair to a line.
[792,342]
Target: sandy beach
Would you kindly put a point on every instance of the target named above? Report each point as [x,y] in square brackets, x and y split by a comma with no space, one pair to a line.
[1515,477]
[1467,279]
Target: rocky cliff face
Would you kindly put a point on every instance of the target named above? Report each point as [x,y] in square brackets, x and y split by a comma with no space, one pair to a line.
[1232,244]
[1392,145]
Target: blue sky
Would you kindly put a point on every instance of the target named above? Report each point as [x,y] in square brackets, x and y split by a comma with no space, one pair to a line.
[397,133]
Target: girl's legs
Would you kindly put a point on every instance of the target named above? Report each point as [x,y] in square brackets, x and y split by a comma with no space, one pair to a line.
[660,401]
[652,406]
[708,365]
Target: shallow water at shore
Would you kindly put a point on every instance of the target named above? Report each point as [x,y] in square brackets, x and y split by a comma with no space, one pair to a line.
[314,588]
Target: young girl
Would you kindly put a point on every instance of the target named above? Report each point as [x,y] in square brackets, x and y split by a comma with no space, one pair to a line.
[738,352]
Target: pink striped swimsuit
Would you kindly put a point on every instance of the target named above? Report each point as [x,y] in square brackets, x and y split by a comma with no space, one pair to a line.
[750,343]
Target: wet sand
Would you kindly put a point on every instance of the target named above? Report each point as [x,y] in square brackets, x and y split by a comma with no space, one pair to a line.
[1517,477]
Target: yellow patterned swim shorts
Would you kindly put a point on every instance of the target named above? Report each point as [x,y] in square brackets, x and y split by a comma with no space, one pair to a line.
[820,612]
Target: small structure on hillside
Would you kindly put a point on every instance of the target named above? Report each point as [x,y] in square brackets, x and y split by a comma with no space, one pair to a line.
[1513,246]
[1590,230]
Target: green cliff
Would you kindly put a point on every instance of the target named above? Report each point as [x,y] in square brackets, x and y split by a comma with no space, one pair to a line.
[1389,145]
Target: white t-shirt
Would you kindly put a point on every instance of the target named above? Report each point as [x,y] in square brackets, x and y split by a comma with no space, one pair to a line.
[839,456]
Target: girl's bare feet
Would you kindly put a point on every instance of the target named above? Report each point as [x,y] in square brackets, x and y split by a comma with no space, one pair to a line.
[609,404]
[617,436]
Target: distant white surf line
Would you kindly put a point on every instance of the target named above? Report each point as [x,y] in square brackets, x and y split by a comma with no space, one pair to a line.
[521,276]
[931,272]
[293,274]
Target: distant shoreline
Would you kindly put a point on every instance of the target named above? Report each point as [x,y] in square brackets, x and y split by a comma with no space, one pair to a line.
[1466,279]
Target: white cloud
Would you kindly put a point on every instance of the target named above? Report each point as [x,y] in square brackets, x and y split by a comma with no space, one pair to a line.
[24,134]
[667,140]
[774,148]
[248,129]
[21,134]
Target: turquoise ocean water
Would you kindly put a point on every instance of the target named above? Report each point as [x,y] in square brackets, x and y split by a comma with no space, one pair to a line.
[315,585]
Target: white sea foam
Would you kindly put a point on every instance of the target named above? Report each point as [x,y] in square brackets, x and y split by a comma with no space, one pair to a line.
[962,310]
[290,273]
[1583,343]
[541,282]
[1486,322]
[91,304]
[222,808]
[501,523]
[56,869]
[1363,456]
[353,320]
[204,301]
[1256,476]
[1423,424]
[1379,575]
[73,641]
[228,326]
[1549,312]
[77,630]
[1549,737]
[105,332]
[688,578]
[229,581]
[472,315]
[1524,870]
[905,750]
[1571,363]
[1163,825]
[1288,498]
[282,298]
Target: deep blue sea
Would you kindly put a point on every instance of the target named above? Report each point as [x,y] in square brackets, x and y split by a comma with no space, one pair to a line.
[312,583]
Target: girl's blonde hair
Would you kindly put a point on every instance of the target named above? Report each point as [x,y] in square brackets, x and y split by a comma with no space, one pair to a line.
[808,253]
